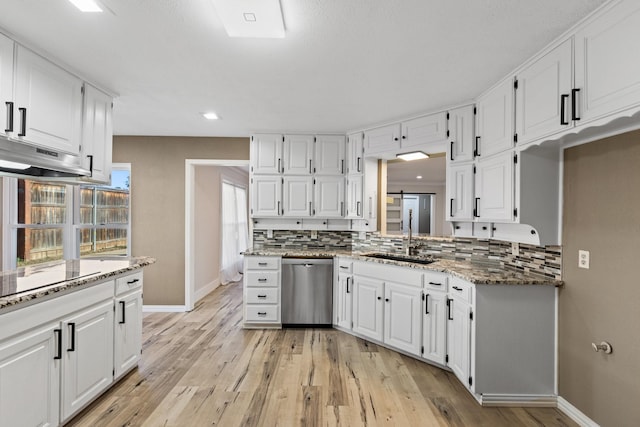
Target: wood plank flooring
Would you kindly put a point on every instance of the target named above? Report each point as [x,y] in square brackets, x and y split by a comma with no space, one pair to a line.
[202,369]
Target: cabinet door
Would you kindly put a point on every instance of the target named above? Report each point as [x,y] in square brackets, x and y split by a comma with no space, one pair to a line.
[461,134]
[30,378]
[52,99]
[459,339]
[460,192]
[266,196]
[354,196]
[542,96]
[434,328]
[382,140]
[97,134]
[297,196]
[128,332]
[344,291]
[329,156]
[494,188]
[428,133]
[266,154]
[298,154]
[6,81]
[402,317]
[606,73]
[367,307]
[494,127]
[329,197]
[355,153]
[87,367]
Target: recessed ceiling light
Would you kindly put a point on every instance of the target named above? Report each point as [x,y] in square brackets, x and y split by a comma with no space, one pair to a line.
[86,5]
[414,155]
[210,116]
[419,177]
[251,18]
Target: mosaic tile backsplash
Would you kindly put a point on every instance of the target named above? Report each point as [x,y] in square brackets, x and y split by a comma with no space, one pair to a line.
[546,261]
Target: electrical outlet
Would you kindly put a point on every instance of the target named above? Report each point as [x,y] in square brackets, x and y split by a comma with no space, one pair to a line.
[515,248]
[583,259]
[314,234]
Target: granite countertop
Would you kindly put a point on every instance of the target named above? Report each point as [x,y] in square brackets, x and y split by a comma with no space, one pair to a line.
[28,283]
[484,273]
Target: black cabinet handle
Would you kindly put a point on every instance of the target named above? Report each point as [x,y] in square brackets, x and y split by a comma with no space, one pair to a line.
[58,355]
[563,104]
[262,280]
[23,121]
[395,139]
[379,298]
[574,104]
[262,313]
[457,288]
[435,283]
[262,296]
[451,207]
[449,302]
[426,304]
[278,213]
[358,164]
[451,152]
[476,150]
[404,136]
[342,166]
[131,282]
[386,299]
[72,335]
[348,284]
[9,127]
[279,167]
[90,156]
[358,208]
[262,264]
[309,166]
[475,208]
[124,320]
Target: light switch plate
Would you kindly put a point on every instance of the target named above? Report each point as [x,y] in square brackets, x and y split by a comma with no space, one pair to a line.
[515,248]
[314,234]
[583,259]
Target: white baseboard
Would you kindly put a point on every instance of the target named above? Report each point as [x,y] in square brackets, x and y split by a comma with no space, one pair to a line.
[206,289]
[164,308]
[575,414]
[521,400]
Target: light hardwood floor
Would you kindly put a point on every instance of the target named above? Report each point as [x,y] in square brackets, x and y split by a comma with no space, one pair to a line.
[202,369]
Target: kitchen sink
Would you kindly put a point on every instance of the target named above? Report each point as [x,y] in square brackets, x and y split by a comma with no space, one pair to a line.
[403,258]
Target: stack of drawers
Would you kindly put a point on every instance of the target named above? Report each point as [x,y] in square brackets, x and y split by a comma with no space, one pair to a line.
[262,291]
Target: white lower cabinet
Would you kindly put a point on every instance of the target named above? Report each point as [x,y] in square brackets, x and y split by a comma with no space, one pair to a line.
[343,293]
[128,332]
[368,307]
[30,377]
[87,367]
[402,317]
[434,318]
[261,293]
[459,337]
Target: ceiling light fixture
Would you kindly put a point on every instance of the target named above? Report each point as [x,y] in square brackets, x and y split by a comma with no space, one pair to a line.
[86,5]
[210,116]
[251,18]
[414,155]
[419,177]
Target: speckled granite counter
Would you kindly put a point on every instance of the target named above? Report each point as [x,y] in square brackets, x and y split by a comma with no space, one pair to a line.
[485,273]
[29,283]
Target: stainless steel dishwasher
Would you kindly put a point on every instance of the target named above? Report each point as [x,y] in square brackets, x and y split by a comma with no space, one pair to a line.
[307,291]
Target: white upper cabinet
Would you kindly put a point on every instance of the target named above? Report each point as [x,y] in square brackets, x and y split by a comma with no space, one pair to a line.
[607,69]
[543,95]
[460,192]
[461,124]
[329,155]
[354,196]
[298,154]
[97,134]
[382,140]
[48,101]
[266,196]
[329,197]
[355,164]
[494,183]
[266,154]
[427,133]
[297,196]
[494,126]
[6,82]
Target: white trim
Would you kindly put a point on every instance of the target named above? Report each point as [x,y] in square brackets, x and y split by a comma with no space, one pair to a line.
[519,400]
[164,308]
[206,289]
[189,220]
[575,414]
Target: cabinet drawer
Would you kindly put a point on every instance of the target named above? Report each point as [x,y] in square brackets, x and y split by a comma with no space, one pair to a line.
[345,265]
[262,278]
[262,263]
[436,281]
[262,313]
[128,283]
[262,295]
[461,290]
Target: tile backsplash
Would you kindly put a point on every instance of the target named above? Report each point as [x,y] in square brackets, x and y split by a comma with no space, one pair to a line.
[543,260]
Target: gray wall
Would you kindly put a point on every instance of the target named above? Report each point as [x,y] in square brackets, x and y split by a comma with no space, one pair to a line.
[602,215]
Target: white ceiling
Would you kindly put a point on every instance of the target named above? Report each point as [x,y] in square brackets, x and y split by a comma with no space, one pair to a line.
[343,65]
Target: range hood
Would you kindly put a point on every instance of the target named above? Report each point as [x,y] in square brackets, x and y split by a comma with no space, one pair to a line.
[17,158]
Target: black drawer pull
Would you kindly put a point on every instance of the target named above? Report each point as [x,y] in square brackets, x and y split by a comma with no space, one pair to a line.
[73,336]
[58,332]
[262,296]
[262,280]
[426,304]
[435,283]
[131,282]
[9,127]
[344,267]
[563,101]
[262,264]
[574,106]
[449,301]
[457,288]
[262,313]
[124,320]
[23,122]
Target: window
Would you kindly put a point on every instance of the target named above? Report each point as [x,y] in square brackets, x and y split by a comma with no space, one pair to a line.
[49,221]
